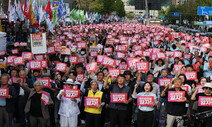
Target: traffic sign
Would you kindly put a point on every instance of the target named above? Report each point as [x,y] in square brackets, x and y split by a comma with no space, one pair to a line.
[204,11]
[175,14]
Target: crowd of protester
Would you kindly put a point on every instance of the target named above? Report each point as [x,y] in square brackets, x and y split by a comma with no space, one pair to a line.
[152,61]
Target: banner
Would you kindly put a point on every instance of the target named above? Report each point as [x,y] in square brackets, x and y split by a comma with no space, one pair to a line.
[61,67]
[108,62]
[38,43]
[118,97]
[73,59]
[191,75]
[176,96]
[91,67]
[35,65]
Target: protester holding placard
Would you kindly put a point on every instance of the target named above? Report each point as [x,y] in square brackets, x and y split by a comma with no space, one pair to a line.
[36,108]
[146,105]
[50,88]
[208,68]
[94,101]
[120,98]
[204,103]
[69,109]
[177,97]
[7,101]
[159,65]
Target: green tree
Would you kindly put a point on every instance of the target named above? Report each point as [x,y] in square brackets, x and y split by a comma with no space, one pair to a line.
[118,6]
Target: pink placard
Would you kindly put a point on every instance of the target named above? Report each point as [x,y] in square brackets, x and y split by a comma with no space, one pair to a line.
[71,93]
[169,53]
[61,67]
[160,55]
[205,101]
[15,51]
[138,53]
[100,58]
[46,82]
[178,67]
[73,59]
[123,66]
[93,53]
[4,92]
[51,50]
[121,55]
[91,101]
[39,57]
[178,54]
[118,97]
[45,97]
[2,53]
[146,53]
[114,72]
[108,62]
[36,64]
[176,96]
[131,62]
[185,88]
[65,51]
[191,75]
[44,63]
[81,59]
[145,101]
[164,81]
[80,77]
[27,55]
[121,48]
[108,50]
[81,45]
[18,60]
[15,80]
[142,66]
[91,67]
[187,56]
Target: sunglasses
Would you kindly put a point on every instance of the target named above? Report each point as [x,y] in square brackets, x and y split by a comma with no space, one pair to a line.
[208,88]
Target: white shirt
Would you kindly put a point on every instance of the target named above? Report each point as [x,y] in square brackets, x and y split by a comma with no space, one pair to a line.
[67,106]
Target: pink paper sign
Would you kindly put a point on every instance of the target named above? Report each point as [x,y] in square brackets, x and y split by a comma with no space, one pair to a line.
[164,81]
[46,82]
[145,101]
[142,66]
[4,92]
[91,101]
[176,96]
[118,97]
[205,101]
[114,72]
[45,97]
[36,64]
[191,75]
[71,93]
[91,67]
[61,67]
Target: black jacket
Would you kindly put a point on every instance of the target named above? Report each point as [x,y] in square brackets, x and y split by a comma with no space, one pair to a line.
[10,103]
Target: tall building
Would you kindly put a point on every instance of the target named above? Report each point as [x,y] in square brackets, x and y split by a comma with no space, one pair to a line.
[152,4]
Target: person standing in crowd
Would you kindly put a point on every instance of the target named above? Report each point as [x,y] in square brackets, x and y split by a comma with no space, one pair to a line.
[93,114]
[24,31]
[17,29]
[196,97]
[69,109]
[7,103]
[175,110]
[118,111]
[145,115]
[38,111]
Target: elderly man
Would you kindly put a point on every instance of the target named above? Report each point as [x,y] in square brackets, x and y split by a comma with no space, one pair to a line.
[7,103]
[175,110]
[203,108]
[36,108]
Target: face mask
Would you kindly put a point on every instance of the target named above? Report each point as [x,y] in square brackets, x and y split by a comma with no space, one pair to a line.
[83,52]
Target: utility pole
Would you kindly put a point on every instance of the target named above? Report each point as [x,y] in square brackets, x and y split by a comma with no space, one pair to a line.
[146,12]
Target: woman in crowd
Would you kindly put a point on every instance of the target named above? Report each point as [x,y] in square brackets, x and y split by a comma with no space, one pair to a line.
[69,109]
[145,115]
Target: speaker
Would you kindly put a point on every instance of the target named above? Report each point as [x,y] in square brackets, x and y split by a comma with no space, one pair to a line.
[152,4]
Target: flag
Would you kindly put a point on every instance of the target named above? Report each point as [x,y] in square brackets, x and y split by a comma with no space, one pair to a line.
[20,12]
[25,8]
[9,6]
[49,10]
[31,14]
[61,10]
[55,16]
[41,14]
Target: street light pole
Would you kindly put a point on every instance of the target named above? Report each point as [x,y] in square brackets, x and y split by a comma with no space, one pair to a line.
[147,12]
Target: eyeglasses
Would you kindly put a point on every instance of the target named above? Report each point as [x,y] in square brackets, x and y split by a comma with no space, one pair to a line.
[208,88]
